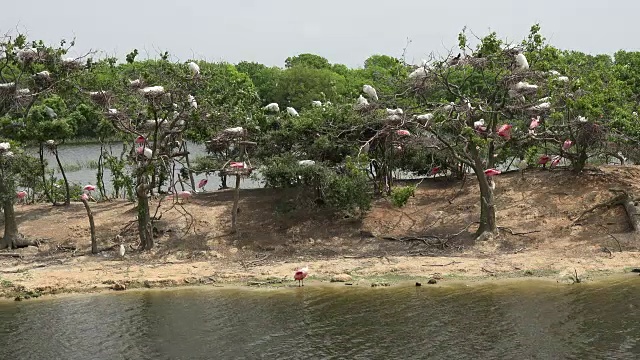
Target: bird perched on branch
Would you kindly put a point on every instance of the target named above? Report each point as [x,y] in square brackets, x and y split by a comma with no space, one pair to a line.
[370,91]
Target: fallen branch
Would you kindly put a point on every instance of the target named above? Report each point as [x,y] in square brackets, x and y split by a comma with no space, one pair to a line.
[617,200]
[613,237]
[517,233]
[23,269]
[15,255]
[451,263]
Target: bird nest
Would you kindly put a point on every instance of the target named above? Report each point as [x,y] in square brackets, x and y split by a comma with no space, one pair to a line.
[243,172]
[101,97]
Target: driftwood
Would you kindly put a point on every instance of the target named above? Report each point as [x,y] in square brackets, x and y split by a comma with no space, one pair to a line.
[622,198]
[427,239]
[15,255]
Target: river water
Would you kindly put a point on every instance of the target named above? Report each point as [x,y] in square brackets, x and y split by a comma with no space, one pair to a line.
[519,320]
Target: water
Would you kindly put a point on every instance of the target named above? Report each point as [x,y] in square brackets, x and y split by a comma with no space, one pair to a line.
[81,154]
[499,321]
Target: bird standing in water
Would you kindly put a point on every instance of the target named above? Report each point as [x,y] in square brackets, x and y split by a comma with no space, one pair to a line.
[300,274]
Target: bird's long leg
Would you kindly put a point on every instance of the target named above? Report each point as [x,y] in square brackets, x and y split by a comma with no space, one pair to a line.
[302,282]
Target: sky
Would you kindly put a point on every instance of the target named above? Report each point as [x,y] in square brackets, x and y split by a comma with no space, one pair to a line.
[344,31]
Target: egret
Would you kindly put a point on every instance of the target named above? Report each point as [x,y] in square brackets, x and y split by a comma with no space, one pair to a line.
[135,83]
[554,72]
[316,103]
[192,102]
[292,112]
[273,107]
[418,73]
[370,91]
[523,164]
[525,86]
[394,111]
[449,106]
[24,91]
[403,133]
[84,197]
[122,251]
[50,113]
[563,78]
[424,117]
[492,172]
[300,275]
[50,143]
[195,69]
[112,111]
[306,162]
[521,62]
[234,131]
[363,101]
[394,118]
[540,107]
[479,125]
[45,75]
[582,119]
[153,90]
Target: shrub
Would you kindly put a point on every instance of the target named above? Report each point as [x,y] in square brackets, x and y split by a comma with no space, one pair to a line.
[400,195]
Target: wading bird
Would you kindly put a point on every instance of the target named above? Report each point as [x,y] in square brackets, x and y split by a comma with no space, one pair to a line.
[300,274]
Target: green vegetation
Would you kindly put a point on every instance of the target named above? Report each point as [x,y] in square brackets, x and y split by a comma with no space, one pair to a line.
[330,143]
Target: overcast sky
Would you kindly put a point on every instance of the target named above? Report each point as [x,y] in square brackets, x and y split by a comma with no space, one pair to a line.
[344,31]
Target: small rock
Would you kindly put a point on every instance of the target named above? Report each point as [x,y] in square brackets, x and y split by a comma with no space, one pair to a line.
[432,281]
[418,284]
[18,298]
[379,284]
[348,283]
[528,273]
[341,278]
[366,234]
[118,287]
[233,250]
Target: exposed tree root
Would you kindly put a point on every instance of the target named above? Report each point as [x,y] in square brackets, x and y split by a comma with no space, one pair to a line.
[622,198]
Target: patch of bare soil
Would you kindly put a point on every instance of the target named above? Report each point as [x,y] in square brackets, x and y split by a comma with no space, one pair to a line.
[432,237]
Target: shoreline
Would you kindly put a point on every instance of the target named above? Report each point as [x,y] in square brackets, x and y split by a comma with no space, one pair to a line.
[36,280]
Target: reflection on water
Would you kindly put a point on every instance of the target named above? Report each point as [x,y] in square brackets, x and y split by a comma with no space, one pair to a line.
[499,321]
[81,154]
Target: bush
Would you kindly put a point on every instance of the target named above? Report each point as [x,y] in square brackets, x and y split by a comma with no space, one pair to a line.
[400,195]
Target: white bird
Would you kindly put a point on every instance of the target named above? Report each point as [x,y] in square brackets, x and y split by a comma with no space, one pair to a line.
[192,102]
[515,94]
[523,164]
[418,73]
[235,130]
[26,54]
[424,117]
[123,250]
[554,72]
[521,62]
[316,103]
[4,146]
[292,112]
[7,86]
[542,106]
[582,119]
[195,69]
[306,162]
[370,91]
[563,78]
[24,91]
[545,99]
[394,111]
[135,83]
[449,106]
[147,152]
[394,117]
[478,124]
[50,113]
[525,86]
[153,90]
[112,111]
[273,107]
[43,74]
[362,100]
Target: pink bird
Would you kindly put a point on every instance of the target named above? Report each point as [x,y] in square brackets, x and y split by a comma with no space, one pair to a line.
[300,274]
[505,131]
[89,188]
[237,165]
[535,122]
[567,144]
[492,172]
[435,170]
[543,159]
[22,196]
[84,197]
[555,161]
[140,139]
[185,195]
[403,133]
[202,183]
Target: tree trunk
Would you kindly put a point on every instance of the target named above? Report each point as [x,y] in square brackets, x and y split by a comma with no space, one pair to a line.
[67,198]
[223,181]
[236,199]
[92,227]
[47,193]
[186,158]
[488,226]
[100,174]
[144,219]
[11,234]
[581,162]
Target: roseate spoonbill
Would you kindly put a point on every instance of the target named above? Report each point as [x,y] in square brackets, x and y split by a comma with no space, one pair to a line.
[195,69]
[521,62]
[273,107]
[89,188]
[535,122]
[543,159]
[567,144]
[140,140]
[370,91]
[492,172]
[202,183]
[148,153]
[403,133]
[306,162]
[316,103]
[184,195]
[435,170]
[84,197]
[292,112]
[505,131]
[22,196]
[300,274]
[555,161]
[238,165]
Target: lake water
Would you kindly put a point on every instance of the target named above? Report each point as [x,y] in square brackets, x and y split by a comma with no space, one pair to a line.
[525,320]
[76,157]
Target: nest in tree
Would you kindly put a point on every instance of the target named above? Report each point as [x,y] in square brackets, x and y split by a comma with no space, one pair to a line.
[101,97]
[590,134]
[243,172]
[216,145]
[7,89]
[476,62]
